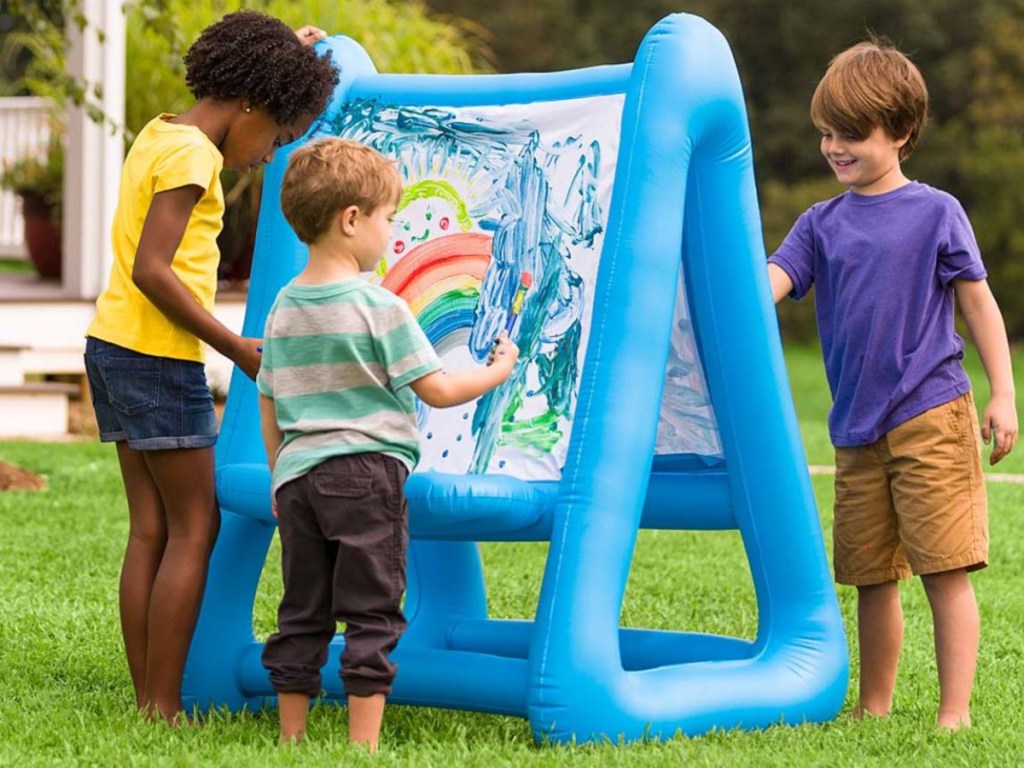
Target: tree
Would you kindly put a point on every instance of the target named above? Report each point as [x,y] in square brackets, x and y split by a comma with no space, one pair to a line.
[400,37]
[985,144]
[970,54]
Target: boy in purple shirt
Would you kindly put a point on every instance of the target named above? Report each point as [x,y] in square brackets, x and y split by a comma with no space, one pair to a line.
[887,257]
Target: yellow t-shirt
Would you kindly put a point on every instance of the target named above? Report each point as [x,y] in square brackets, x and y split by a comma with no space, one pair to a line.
[164,156]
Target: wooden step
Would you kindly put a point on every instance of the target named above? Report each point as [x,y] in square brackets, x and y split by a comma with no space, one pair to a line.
[36,409]
[11,371]
[19,363]
[53,360]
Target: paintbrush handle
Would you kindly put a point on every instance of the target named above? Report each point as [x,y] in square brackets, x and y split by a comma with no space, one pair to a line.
[517,306]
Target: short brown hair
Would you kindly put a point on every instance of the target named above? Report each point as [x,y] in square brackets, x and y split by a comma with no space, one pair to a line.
[872,85]
[328,175]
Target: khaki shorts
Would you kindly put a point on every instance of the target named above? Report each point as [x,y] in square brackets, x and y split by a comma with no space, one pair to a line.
[913,501]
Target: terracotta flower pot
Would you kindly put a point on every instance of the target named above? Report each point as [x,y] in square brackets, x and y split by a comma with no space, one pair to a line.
[42,234]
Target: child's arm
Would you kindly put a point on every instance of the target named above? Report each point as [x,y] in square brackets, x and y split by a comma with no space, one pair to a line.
[162,233]
[782,284]
[985,323]
[272,436]
[443,389]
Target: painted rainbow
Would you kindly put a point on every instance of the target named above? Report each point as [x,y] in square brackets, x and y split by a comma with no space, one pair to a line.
[440,281]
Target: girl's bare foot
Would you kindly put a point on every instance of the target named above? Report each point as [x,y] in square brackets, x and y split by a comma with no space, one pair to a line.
[174,718]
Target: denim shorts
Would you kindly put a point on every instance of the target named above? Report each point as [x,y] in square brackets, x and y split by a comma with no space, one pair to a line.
[152,403]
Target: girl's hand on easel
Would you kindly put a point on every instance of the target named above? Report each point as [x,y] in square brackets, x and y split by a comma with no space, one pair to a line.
[309,34]
[248,355]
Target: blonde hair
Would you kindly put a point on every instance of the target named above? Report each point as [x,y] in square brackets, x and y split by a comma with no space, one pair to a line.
[327,176]
[872,85]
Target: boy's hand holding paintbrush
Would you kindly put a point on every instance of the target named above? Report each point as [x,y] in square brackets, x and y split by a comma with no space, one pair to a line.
[503,345]
[504,351]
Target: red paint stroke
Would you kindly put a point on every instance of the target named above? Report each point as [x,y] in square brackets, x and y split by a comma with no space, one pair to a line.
[466,253]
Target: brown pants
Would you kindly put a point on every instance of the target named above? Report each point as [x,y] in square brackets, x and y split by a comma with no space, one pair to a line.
[344,533]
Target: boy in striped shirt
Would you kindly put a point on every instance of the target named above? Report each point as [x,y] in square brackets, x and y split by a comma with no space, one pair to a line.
[342,359]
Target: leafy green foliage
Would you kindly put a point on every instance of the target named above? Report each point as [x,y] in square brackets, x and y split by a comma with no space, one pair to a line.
[398,37]
[45,44]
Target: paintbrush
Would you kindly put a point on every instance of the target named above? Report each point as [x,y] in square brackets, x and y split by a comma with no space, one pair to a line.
[525,281]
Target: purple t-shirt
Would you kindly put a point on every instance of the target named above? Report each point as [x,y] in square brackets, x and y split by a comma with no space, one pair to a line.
[883,266]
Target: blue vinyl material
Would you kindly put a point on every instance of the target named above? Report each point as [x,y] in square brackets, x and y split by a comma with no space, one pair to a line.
[684,199]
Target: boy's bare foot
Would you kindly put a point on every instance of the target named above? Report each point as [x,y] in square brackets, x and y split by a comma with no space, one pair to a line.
[953,722]
[862,713]
[292,709]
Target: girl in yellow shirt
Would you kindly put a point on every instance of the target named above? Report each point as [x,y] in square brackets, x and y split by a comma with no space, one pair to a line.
[258,85]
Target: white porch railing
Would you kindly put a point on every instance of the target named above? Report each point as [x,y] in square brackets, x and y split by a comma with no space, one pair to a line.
[24,130]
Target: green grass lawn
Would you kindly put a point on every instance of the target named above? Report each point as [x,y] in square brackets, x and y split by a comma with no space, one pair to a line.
[66,700]
[10,264]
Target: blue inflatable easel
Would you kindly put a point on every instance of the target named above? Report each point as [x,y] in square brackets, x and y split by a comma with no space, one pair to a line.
[684,214]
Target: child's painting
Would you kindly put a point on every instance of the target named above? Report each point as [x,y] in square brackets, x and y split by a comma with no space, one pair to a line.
[501,226]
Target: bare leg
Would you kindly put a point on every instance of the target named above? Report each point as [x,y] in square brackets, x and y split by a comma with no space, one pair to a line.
[957,632]
[186,482]
[292,709]
[880,635]
[147,537]
[365,714]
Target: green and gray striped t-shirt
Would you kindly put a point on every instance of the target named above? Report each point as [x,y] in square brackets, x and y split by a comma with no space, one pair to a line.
[337,360]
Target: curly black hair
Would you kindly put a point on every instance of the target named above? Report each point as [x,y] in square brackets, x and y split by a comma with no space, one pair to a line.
[253,56]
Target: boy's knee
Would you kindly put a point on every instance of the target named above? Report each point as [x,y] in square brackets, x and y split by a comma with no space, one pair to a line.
[946,581]
[885,590]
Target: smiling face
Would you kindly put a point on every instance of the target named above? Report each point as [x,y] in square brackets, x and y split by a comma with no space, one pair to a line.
[421,221]
[869,166]
[253,137]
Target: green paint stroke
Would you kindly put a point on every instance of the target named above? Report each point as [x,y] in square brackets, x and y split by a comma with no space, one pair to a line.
[515,402]
[449,303]
[559,372]
[536,436]
[428,188]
